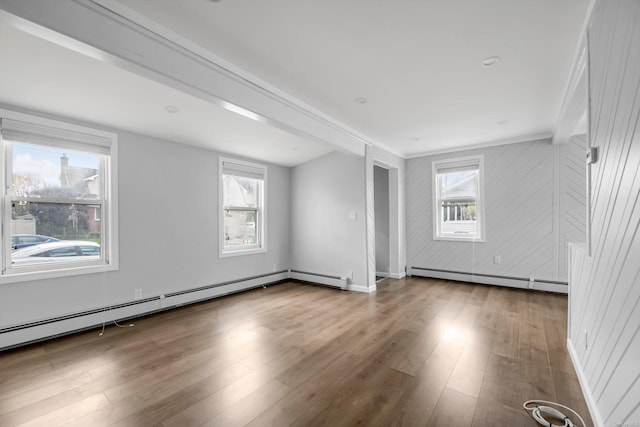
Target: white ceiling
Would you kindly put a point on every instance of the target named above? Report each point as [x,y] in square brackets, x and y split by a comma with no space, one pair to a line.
[39,75]
[417,63]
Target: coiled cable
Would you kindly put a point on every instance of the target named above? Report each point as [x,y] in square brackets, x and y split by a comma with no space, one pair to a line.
[538,412]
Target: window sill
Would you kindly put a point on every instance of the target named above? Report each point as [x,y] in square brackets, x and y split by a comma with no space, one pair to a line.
[25,276]
[238,252]
[460,239]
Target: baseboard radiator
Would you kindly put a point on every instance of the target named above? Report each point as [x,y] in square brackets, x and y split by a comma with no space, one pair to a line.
[319,279]
[31,332]
[492,279]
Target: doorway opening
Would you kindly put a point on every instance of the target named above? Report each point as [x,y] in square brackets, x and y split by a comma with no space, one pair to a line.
[381,214]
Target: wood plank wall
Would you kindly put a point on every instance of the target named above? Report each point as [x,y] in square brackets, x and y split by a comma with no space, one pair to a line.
[518,191]
[604,291]
[572,198]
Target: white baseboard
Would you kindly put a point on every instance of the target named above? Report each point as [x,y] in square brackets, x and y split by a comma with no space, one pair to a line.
[17,335]
[361,288]
[398,275]
[208,292]
[321,279]
[586,391]
[70,324]
[486,279]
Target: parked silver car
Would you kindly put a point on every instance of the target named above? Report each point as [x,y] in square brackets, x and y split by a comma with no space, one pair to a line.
[63,250]
[19,241]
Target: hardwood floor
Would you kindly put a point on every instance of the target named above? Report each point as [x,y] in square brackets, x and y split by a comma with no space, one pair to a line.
[418,352]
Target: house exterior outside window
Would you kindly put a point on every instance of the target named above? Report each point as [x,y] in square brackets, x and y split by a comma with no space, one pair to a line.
[60,185]
[457,199]
[242,207]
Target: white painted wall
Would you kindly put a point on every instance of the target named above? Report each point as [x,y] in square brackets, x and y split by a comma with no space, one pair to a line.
[518,192]
[168,217]
[323,238]
[381,208]
[604,290]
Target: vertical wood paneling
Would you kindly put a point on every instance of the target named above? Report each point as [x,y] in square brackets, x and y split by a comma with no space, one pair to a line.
[605,288]
[572,198]
[519,180]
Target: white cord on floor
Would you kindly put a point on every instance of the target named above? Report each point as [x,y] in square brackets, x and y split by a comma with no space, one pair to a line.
[107,307]
[130,325]
[538,411]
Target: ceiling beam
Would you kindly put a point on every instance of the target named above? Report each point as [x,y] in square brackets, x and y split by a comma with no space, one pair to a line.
[112,36]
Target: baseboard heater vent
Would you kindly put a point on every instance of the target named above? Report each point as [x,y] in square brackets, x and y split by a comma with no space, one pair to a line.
[230,282]
[492,279]
[75,315]
[319,279]
[32,332]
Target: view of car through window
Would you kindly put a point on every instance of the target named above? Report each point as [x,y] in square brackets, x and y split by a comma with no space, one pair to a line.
[56,251]
[19,241]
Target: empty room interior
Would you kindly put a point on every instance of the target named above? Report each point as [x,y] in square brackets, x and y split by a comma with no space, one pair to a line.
[298,212]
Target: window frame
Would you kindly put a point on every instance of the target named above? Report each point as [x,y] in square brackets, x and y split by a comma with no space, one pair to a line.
[261,209]
[108,201]
[439,166]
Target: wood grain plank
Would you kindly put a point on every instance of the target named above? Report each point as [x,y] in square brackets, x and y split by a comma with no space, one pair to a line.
[303,355]
[453,409]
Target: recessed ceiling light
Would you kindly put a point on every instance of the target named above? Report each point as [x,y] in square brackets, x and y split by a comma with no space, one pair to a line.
[361,100]
[489,61]
[172,109]
[502,122]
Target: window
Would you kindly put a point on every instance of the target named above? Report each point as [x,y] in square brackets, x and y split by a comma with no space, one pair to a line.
[242,201]
[457,195]
[58,209]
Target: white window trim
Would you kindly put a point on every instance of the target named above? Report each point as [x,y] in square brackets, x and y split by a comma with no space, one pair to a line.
[109,224]
[261,217]
[480,213]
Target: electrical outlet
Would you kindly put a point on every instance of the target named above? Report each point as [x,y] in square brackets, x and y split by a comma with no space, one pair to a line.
[274,268]
[137,294]
[350,275]
[531,280]
[496,259]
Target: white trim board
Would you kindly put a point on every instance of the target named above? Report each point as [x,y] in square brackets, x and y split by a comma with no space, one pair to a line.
[110,34]
[317,278]
[18,335]
[584,385]
[487,279]
[361,288]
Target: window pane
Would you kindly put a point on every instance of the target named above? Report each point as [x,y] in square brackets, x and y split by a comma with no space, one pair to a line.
[240,191]
[240,228]
[460,210]
[458,185]
[41,230]
[65,221]
[51,172]
[458,217]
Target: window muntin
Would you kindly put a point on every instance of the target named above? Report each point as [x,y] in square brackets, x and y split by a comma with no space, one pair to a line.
[242,202]
[59,186]
[457,199]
